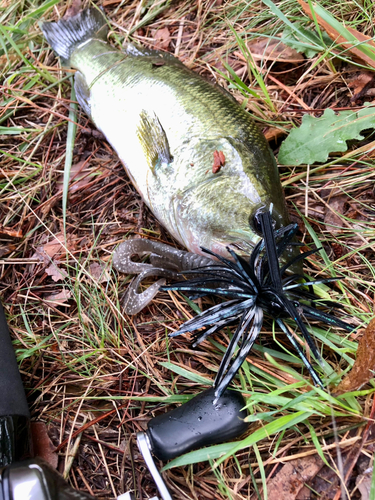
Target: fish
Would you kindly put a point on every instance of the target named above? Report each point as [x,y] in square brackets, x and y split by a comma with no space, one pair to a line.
[195,156]
[207,173]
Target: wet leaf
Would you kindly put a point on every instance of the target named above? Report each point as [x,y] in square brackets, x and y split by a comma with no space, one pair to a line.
[316,138]
[364,366]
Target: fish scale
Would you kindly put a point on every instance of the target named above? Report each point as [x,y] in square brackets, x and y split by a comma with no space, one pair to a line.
[167,123]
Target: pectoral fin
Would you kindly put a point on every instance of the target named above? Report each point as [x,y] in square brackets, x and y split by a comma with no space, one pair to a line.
[154,140]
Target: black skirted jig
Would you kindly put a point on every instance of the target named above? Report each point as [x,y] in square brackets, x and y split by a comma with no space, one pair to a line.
[254,287]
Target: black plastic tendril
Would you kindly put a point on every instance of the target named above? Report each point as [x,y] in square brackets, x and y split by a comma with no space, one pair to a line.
[254,287]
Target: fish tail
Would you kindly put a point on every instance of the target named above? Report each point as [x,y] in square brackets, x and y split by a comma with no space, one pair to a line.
[66,34]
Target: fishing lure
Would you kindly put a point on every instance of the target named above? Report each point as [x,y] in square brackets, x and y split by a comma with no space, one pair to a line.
[254,287]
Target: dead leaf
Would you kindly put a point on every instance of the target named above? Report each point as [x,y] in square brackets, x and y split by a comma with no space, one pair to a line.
[99,273]
[364,366]
[273,50]
[339,39]
[54,248]
[220,62]
[363,483]
[273,133]
[10,232]
[360,84]
[162,38]
[74,9]
[42,444]
[333,222]
[8,58]
[290,480]
[219,161]
[55,272]
[6,249]
[80,175]
[59,297]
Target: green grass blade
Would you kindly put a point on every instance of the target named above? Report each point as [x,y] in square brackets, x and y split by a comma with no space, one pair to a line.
[194,377]
[228,449]
[72,129]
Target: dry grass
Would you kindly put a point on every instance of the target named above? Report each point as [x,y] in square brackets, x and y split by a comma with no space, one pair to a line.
[91,371]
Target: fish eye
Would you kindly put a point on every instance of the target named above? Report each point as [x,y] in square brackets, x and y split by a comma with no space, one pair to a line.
[255,221]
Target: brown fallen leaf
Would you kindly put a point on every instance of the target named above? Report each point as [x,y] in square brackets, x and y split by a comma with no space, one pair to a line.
[80,175]
[10,232]
[219,161]
[290,480]
[42,444]
[55,272]
[360,84]
[162,38]
[8,58]
[363,483]
[99,273]
[59,297]
[6,249]
[54,248]
[364,365]
[273,133]
[333,222]
[273,50]
[339,39]
[222,62]
[74,9]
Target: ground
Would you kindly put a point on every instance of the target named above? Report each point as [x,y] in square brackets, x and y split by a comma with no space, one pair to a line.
[94,376]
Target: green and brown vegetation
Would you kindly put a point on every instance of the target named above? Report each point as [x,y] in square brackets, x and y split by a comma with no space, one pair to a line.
[94,375]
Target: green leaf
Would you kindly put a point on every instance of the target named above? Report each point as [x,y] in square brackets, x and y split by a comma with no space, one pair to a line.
[316,138]
[303,40]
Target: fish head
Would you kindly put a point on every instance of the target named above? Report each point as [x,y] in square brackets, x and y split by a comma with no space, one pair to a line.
[230,182]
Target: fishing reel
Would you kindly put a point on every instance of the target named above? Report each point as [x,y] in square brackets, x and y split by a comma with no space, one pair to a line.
[197,423]
[193,425]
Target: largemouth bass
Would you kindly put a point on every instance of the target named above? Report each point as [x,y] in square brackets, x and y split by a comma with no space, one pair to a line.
[195,156]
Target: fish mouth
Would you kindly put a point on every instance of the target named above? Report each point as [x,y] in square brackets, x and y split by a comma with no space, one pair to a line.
[241,241]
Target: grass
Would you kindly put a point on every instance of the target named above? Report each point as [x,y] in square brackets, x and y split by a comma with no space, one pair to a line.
[83,362]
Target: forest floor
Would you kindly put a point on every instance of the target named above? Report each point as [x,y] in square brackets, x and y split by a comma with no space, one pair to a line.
[93,375]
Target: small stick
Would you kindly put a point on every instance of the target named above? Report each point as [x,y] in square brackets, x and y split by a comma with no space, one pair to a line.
[73,452]
[179,37]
